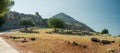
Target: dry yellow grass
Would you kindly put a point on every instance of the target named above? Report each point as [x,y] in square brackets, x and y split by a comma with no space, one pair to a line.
[54,43]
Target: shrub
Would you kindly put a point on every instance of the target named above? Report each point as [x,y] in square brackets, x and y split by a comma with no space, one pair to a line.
[118,35]
[105,31]
[69,32]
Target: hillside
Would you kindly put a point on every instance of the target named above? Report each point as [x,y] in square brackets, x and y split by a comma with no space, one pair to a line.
[12,20]
[70,20]
[59,43]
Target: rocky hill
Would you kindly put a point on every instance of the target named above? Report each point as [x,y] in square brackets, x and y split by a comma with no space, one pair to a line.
[71,21]
[12,20]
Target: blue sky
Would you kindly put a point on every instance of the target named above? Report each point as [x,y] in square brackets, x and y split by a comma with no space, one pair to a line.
[97,14]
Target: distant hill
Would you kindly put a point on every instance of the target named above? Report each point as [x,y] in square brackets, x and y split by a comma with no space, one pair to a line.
[70,20]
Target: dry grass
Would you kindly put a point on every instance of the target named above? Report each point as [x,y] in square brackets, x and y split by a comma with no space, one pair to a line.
[55,43]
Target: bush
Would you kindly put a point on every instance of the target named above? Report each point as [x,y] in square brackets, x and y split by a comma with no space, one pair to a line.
[118,35]
[105,31]
[69,32]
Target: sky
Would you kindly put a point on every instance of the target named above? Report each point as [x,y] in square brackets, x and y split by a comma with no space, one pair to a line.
[97,14]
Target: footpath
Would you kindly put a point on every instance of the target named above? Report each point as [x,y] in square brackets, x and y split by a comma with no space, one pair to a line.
[5,47]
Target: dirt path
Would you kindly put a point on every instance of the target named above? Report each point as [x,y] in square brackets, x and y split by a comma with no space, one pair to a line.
[5,47]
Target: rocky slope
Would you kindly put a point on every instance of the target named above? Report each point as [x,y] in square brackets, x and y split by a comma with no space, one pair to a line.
[13,18]
[71,21]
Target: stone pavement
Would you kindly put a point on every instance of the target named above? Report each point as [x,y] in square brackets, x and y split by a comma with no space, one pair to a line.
[5,47]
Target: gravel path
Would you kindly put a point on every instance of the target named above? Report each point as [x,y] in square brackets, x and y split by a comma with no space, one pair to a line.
[5,47]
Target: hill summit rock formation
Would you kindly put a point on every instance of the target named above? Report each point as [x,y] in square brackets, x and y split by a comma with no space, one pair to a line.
[13,18]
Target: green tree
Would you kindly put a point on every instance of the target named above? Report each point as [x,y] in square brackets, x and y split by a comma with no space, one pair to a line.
[37,14]
[5,6]
[105,31]
[27,23]
[1,20]
[55,23]
[118,35]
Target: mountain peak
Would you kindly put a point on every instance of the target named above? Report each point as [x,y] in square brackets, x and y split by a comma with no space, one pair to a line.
[68,19]
[62,13]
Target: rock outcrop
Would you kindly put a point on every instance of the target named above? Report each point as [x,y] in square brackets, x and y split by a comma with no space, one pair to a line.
[13,19]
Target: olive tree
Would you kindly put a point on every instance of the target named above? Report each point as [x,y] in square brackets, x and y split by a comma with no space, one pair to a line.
[55,23]
[27,23]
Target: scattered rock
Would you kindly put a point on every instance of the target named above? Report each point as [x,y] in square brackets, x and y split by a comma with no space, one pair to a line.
[33,38]
[49,32]
[119,45]
[84,46]
[95,39]
[112,41]
[24,40]
[105,42]
[110,50]
[75,43]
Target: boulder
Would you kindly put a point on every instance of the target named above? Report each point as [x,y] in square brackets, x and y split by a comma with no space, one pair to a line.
[105,42]
[112,41]
[95,39]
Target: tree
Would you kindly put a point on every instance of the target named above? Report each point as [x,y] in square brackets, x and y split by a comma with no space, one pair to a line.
[37,14]
[105,31]
[5,6]
[55,23]
[1,20]
[118,35]
[27,23]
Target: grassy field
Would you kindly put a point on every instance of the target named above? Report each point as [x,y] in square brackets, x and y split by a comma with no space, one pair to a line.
[58,43]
